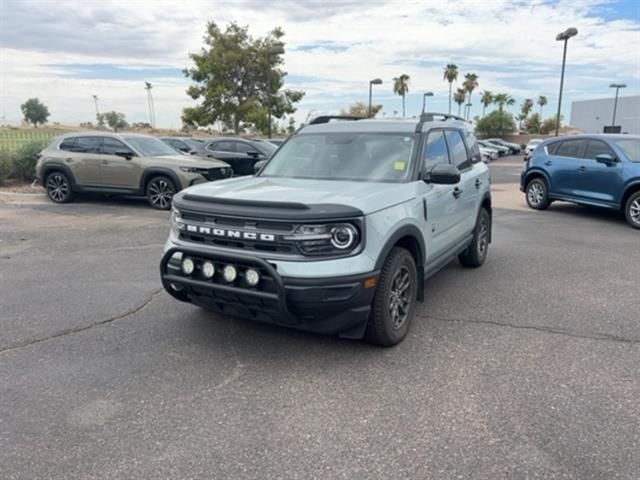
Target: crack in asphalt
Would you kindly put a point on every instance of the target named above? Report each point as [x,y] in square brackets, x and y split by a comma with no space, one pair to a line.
[71,331]
[542,329]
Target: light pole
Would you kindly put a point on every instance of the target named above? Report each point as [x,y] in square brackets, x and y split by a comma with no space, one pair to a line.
[617,86]
[95,99]
[424,100]
[563,36]
[467,113]
[375,81]
[152,113]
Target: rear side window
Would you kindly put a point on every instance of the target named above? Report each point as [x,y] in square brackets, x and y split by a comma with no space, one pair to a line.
[435,152]
[67,144]
[457,149]
[244,147]
[472,145]
[87,145]
[222,147]
[597,147]
[571,148]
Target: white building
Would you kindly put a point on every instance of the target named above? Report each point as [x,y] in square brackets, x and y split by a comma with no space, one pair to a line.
[591,116]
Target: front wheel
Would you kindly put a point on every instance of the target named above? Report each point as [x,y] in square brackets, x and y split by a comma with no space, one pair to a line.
[160,192]
[394,300]
[632,210]
[476,254]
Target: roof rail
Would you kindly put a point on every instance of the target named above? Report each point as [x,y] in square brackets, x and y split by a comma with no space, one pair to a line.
[328,118]
[430,117]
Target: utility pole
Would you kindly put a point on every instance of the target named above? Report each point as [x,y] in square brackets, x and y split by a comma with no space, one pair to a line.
[95,99]
[152,111]
[563,36]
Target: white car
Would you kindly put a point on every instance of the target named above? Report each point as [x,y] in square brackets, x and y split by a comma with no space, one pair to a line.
[531,146]
[488,154]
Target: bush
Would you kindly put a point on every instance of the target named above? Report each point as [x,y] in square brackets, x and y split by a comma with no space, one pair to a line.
[24,163]
[496,124]
[6,165]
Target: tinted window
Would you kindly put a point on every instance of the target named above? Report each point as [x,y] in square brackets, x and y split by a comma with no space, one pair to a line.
[110,146]
[472,143]
[631,148]
[67,144]
[436,151]
[458,150]
[571,148]
[552,147]
[244,147]
[150,146]
[595,148]
[177,144]
[87,145]
[222,147]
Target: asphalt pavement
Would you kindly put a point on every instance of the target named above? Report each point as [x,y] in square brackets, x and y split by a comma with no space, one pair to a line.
[524,368]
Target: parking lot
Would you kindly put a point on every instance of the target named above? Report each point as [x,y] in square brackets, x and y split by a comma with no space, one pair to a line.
[524,368]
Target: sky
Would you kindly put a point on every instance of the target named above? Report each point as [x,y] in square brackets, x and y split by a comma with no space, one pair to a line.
[65,51]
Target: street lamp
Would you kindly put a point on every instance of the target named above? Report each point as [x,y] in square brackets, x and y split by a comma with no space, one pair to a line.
[375,81]
[617,86]
[563,36]
[424,100]
[273,49]
[152,111]
[95,99]
[467,113]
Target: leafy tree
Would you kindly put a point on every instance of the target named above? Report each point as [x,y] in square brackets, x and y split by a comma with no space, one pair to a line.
[292,125]
[115,120]
[400,87]
[35,112]
[359,109]
[486,99]
[87,125]
[450,75]
[470,84]
[532,125]
[496,123]
[141,125]
[542,101]
[549,125]
[236,76]
[459,97]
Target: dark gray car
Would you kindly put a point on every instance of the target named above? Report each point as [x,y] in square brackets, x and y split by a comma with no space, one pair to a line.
[241,153]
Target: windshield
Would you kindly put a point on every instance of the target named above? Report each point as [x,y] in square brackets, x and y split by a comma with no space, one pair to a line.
[150,146]
[352,156]
[194,144]
[631,148]
[267,148]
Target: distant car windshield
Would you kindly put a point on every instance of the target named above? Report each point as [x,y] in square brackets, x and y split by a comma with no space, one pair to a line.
[375,157]
[150,146]
[630,147]
[266,148]
[194,144]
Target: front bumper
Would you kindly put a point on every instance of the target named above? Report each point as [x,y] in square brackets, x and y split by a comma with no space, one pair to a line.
[325,305]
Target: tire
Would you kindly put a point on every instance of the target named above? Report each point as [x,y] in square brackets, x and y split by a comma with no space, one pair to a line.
[477,252]
[394,301]
[632,210]
[537,194]
[58,187]
[160,191]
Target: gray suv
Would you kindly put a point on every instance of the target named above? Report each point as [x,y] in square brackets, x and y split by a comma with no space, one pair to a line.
[339,230]
[126,164]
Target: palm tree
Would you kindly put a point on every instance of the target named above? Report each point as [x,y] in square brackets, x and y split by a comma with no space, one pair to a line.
[502,99]
[527,105]
[542,101]
[401,87]
[459,97]
[450,75]
[486,100]
[470,83]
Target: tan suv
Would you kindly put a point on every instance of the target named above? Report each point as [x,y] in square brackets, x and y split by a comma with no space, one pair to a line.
[125,164]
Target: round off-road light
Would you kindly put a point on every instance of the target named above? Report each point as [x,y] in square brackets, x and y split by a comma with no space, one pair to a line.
[188,266]
[229,273]
[252,277]
[208,269]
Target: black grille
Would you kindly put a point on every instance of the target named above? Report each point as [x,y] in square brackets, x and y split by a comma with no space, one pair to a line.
[218,173]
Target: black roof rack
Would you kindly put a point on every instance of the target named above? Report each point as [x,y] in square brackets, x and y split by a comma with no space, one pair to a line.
[327,118]
[431,116]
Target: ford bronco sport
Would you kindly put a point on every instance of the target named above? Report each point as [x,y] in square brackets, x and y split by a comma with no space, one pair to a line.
[337,232]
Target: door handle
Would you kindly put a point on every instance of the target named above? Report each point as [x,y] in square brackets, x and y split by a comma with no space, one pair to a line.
[457,192]
[478,183]
[582,169]
[68,159]
[105,162]
[548,162]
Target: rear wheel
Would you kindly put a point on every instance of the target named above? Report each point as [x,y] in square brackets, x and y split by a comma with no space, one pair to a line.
[632,210]
[537,194]
[58,187]
[160,192]
[394,300]
[477,252]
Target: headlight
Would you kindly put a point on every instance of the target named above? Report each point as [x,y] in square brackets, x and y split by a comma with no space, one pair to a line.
[329,239]
[177,224]
[194,170]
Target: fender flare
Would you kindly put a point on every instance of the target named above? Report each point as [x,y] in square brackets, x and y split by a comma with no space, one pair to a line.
[157,171]
[632,185]
[536,171]
[54,166]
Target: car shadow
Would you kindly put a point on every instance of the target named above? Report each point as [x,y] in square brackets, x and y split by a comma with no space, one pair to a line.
[588,212]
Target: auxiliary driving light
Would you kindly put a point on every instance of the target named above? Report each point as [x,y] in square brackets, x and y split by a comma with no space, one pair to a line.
[208,270]
[252,277]
[188,266]
[229,273]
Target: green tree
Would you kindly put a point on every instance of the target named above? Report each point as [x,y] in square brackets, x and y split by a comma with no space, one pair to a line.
[502,99]
[35,112]
[496,123]
[292,125]
[115,120]
[532,124]
[470,84]
[450,75]
[459,97]
[359,109]
[486,99]
[549,125]
[400,87]
[236,76]
[526,107]
[542,101]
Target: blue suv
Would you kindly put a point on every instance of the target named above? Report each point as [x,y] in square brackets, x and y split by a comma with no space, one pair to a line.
[599,170]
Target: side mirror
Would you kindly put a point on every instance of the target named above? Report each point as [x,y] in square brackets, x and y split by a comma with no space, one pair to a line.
[124,154]
[254,154]
[606,159]
[258,166]
[443,175]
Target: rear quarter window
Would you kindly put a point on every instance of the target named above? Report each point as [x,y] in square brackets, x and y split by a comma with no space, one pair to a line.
[67,144]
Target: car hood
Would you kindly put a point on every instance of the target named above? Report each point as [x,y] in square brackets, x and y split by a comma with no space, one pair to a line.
[188,161]
[367,197]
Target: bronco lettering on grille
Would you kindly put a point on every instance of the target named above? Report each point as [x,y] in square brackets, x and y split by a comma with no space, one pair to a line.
[239,234]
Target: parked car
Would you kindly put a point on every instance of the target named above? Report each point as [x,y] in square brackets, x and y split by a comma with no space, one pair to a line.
[488,154]
[514,148]
[185,145]
[531,146]
[339,230]
[240,153]
[126,164]
[277,141]
[599,170]
[498,148]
